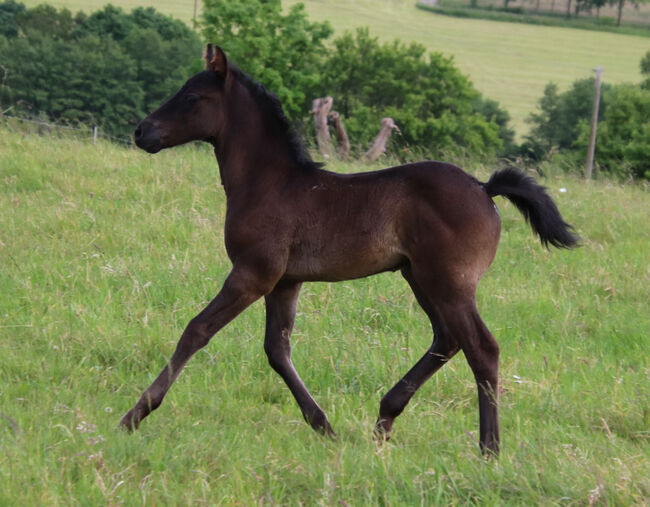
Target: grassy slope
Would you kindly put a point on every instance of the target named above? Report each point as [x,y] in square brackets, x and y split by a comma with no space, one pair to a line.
[105,253]
[509,62]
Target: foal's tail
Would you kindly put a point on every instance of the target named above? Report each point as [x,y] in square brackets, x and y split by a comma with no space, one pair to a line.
[535,204]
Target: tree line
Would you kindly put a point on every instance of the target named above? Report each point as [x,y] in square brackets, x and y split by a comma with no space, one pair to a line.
[577,6]
[110,68]
[107,68]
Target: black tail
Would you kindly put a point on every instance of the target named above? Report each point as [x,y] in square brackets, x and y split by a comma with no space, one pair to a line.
[536,205]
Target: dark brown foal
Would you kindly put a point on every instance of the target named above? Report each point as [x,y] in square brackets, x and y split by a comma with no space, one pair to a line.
[288,221]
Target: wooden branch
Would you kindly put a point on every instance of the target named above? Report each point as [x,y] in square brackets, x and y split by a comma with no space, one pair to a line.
[342,139]
[321,108]
[379,145]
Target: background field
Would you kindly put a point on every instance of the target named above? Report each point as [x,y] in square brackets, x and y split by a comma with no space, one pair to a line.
[508,62]
[106,253]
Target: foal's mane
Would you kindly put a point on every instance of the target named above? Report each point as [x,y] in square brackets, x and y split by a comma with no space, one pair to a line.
[271,107]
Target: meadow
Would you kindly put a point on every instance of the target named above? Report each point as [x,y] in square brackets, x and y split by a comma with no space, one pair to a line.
[508,62]
[107,252]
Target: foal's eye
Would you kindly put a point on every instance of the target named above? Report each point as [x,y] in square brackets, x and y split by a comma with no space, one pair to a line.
[191,98]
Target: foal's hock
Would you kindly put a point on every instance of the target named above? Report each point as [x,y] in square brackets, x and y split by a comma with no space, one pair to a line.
[288,221]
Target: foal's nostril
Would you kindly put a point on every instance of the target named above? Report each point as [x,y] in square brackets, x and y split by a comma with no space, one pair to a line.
[146,137]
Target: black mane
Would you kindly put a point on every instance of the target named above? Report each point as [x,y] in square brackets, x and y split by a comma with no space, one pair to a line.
[272,107]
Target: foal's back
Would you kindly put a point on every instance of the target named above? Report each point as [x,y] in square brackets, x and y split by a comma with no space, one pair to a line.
[355,225]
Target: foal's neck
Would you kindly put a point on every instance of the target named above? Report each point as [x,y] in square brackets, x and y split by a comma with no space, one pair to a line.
[250,154]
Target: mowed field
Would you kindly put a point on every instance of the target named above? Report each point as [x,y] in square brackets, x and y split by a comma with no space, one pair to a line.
[106,253]
[508,62]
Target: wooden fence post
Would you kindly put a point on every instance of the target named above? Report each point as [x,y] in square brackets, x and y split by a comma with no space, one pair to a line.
[321,108]
[379,145]
[594,124]
[342,138]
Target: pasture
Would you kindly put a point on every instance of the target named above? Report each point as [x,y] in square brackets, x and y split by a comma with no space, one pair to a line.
[107,252]
[508,62]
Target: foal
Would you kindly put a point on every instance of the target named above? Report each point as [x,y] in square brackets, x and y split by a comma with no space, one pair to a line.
[288,221]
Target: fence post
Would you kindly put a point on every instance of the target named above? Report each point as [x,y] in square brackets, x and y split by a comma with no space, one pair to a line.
[95,134]
[594,124]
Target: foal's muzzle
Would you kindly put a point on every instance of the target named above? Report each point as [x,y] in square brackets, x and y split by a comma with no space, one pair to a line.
[146,136]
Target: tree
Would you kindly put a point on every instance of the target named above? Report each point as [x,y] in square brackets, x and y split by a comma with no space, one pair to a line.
[284,52]
[556,125]
[8,12]
[645,70]
[46,21]
[623,145]
[107,68]
[429,99]
[619,4]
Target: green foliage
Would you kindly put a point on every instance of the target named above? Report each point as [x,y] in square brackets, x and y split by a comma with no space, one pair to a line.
[557,123]
[8,11]
[562,124]
[428,97]
[108,68]
[285,52]
[52,79]
[623,142]
[493,112]
[45,21]
[645,70]
[430,100]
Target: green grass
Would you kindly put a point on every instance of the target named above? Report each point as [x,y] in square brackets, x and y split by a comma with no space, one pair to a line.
[508,62]
[106,253]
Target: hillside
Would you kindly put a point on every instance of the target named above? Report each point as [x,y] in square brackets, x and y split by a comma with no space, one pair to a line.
[508,62]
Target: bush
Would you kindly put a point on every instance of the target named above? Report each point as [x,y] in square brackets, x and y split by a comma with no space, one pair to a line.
[623,141]
[561,127]
[557,123]
[435,106]
[284,52]
[432,102]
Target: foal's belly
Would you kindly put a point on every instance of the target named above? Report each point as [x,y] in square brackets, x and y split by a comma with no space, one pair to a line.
[340,259]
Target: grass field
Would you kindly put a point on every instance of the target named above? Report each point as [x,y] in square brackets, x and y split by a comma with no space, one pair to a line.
[106,253]
[508,62]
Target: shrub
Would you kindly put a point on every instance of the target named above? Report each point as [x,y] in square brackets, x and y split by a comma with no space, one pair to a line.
[435,106]
[623,141]
[556,125]
[284,52]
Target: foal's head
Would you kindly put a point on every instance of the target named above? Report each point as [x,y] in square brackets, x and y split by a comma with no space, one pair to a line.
[196,112]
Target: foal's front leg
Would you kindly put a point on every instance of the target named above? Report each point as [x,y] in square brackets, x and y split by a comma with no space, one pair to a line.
[240,289]
[280,315]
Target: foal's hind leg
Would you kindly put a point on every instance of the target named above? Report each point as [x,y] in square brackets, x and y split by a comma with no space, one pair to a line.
[280,315]
[441,351]
[482,353]
[457,324]
[461,320]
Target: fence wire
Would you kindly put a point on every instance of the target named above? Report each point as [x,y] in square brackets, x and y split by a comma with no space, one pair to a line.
[93,133]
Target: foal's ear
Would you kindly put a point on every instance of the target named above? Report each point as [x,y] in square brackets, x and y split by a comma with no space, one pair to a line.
[215,60]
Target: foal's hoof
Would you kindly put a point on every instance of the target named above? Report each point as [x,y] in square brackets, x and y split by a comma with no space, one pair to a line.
[327,431]
[382,430]
[320,423]
[129,423]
